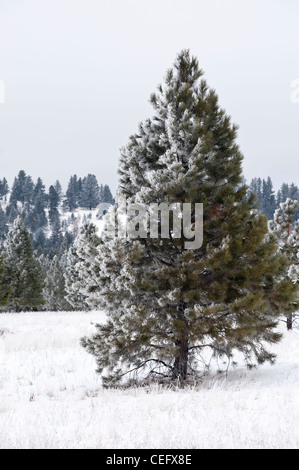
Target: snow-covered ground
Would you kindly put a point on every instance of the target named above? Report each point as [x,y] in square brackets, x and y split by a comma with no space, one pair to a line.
[79,217]
[50,396]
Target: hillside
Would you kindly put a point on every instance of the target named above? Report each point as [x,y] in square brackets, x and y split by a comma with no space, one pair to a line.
[52,398]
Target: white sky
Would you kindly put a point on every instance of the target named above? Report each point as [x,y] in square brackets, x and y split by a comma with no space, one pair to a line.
[78,75]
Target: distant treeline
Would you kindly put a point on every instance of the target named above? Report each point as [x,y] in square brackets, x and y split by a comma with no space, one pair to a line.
[268,200]
[41,210]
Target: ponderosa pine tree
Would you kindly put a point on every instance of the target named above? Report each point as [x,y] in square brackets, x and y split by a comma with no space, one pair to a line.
[22,191]
[82,269]
[34,215]
[4,288]
[287,233]
[24,275]
[256,188]
[40,241]
[56,240]
[54,291]
[90,193]
[40,203]
[166,304]
[3,224]
[58,189]
[268,198]
[70,201]
[4,188]
[53,203]
[80,273]
[106,195]
[288,191]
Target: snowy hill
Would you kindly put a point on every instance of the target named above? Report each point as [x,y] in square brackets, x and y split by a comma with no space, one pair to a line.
[72,221]
[51,397]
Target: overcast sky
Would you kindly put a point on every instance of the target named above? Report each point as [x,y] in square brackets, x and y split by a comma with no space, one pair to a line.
[78,75]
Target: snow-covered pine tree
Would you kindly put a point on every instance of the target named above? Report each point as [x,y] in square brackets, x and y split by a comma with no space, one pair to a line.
[287,233]
[58,189]
[256,188]
[4,288]
[3,224]
[81,272]
[24,275]
[88,264]
[263,189]
[54,291]
[70,201]
[18,189]
[106,195]
[40,242]
[166,304]
[90,194]
[53,203]
[4,189]
[268,198]
[288,191]
[55,241]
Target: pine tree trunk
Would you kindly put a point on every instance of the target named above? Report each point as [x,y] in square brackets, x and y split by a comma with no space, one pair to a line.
[180,367]
[290,322]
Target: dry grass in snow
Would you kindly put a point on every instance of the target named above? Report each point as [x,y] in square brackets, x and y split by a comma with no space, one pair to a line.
[50,396]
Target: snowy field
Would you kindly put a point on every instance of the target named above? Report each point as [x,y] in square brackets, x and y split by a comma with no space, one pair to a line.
[50,396]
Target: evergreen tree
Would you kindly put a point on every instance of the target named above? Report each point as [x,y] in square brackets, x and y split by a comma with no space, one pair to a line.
[53,201]
[28,193]
[22,190]
[24,275]
[287,234]
[3,225]
[58,189]
[35,217]
[68,240]
[56,239]
[75,280]
[282,194]
[39,189]
[4,288]
[15,194]
[40,241]
[79,187]
[4,188]
[72,194]
[39,212]
[256,188]
[90,194]
[11,213]
[54,291]
[30,220]
[83,268]
[293,192]
[288,191]
[268,198]
[166,304]
[106,195]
